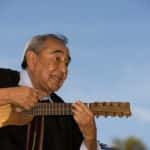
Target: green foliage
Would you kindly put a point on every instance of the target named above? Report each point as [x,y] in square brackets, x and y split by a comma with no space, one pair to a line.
[130,143]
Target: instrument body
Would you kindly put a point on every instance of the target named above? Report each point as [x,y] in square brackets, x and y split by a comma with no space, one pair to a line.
[8,116]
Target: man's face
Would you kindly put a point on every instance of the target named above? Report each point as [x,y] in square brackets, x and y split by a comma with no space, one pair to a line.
[51,66]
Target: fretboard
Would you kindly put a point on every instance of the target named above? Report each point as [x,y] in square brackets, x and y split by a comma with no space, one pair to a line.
[44,109]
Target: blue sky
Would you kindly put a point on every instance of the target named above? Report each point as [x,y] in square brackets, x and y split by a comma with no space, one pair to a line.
[110,48]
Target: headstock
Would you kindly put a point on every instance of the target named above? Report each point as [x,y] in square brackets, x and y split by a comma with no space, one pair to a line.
[112,109]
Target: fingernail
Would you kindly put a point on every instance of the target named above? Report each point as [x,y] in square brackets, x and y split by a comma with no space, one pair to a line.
[18,109]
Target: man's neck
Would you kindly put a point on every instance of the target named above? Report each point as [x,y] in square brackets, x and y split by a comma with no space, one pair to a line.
[25,79]
[35,82]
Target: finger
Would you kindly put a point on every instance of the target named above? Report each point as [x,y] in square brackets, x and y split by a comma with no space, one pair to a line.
[79,116]
[82,105]
[32,102]
[85,108]
[40,93]
[83,117]
[34,97]
[18,109]
[27,107]
[76,118]
[79,106]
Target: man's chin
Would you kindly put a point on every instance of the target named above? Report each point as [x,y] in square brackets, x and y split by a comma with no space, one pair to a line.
[54,89]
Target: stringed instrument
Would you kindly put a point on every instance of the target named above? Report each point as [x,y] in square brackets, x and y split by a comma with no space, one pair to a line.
[9,116]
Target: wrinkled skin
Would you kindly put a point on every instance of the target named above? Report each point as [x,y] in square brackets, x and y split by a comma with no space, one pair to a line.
[48,70]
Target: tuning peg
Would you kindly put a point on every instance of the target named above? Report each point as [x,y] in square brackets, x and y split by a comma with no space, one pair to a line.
[113,114]
[106,115]
[120,114]
[97,116]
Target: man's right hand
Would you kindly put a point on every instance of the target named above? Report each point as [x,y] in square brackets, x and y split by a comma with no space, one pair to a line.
[24,97]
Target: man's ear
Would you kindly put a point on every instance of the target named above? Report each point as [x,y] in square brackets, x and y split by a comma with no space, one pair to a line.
[31,58]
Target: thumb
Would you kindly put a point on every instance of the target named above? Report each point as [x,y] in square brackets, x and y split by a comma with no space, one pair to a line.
[18,109]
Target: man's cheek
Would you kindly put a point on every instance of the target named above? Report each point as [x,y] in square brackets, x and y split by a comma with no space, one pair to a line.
[45,76]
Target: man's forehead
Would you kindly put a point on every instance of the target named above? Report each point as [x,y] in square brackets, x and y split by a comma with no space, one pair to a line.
[55,46]
[55,43]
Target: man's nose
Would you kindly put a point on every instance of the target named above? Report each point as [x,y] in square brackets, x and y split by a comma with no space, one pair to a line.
[63,68]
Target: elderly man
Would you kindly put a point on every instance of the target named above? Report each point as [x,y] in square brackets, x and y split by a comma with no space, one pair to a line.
[45,68]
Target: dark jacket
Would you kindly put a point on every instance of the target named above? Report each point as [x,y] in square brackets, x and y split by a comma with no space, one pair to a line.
[60,132]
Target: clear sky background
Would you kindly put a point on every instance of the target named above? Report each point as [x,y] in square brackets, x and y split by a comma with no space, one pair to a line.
[110,47]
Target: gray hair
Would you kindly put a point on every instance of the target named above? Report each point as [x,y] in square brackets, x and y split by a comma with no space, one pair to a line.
[37,42]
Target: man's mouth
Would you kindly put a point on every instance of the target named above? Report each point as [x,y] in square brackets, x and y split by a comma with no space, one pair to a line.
[56,78]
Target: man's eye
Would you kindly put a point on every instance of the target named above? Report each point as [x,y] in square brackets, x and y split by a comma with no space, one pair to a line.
[57,59]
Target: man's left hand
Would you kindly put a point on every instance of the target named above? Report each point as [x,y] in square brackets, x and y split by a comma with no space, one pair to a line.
[85,120]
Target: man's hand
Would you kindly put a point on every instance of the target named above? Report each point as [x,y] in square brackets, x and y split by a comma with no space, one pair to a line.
[86,122]
[24,97]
